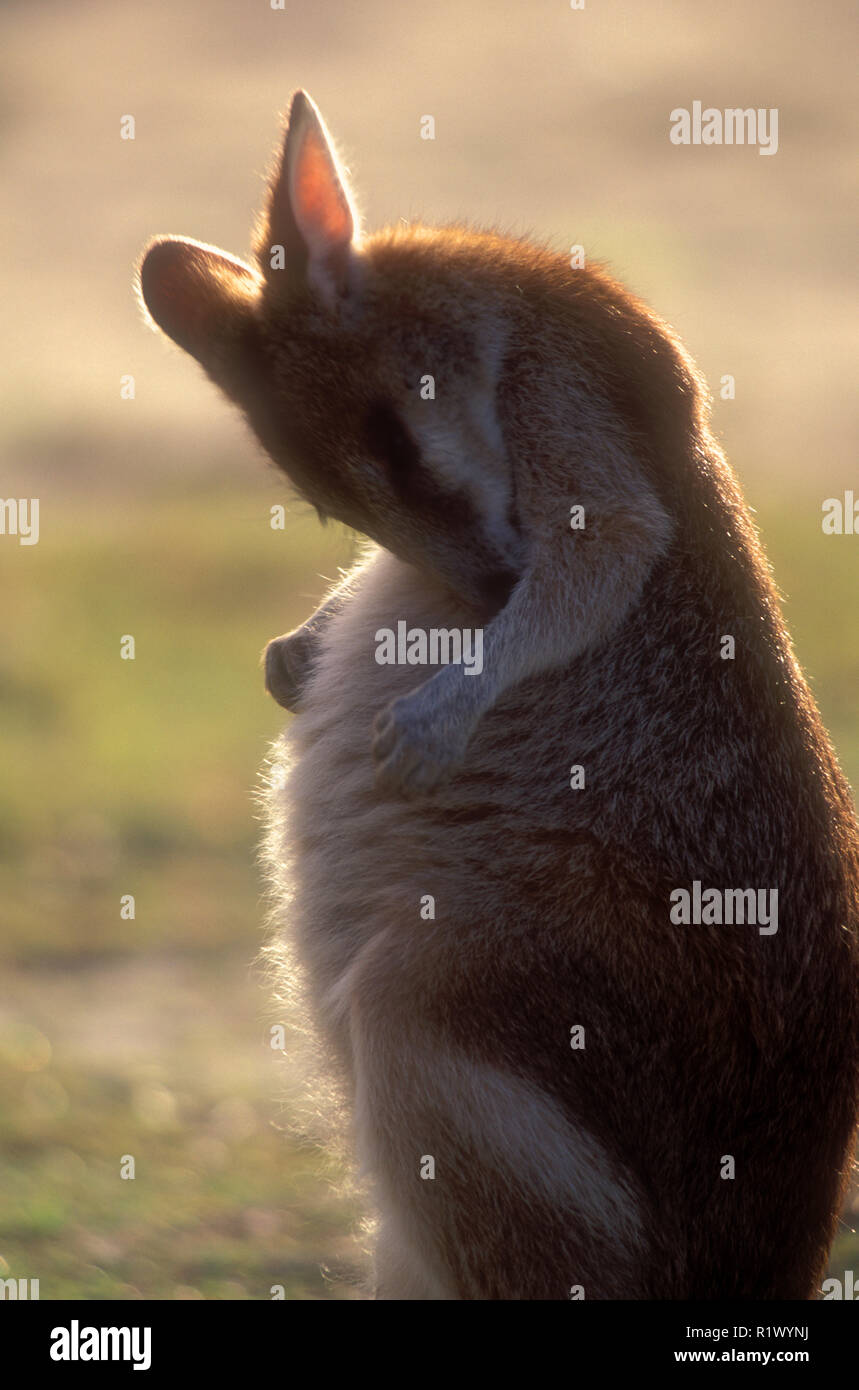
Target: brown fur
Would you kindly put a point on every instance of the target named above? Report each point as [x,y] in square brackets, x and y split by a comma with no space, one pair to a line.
[598,1167]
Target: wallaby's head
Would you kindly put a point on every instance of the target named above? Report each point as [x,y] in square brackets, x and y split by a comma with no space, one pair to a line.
[367,367]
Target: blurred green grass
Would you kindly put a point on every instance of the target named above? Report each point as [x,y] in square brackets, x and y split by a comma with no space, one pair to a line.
[136,776]
[148,1037]
[222,1204]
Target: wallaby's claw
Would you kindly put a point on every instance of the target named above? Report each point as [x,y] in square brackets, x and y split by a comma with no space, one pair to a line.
[287,665]
[408,752]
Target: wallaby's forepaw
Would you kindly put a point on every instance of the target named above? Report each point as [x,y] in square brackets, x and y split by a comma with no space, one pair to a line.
[288,661]
[412,754]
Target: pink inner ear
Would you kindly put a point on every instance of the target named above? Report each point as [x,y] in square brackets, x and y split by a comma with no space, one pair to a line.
[320,205]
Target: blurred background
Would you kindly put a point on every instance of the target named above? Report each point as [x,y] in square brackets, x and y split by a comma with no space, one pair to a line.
[150,1037]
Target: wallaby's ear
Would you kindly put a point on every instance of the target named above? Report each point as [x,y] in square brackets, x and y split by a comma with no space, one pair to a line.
[310,213]
[199,296]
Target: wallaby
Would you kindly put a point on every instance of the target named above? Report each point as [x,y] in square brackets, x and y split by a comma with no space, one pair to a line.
[563,1082]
